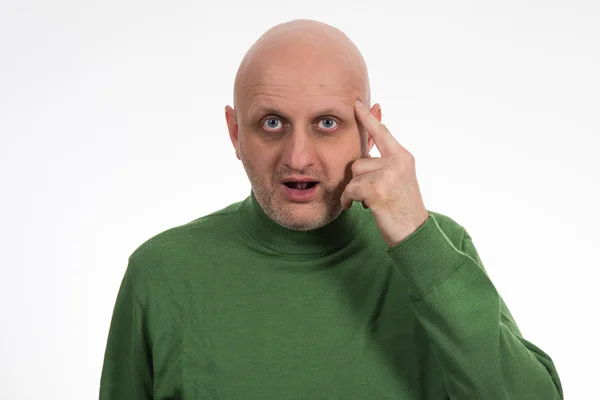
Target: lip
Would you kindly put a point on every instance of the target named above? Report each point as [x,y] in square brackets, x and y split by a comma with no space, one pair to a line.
[301,196]
[299,179]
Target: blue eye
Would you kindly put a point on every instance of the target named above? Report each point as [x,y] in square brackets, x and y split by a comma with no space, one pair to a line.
[272,124]
[328,123]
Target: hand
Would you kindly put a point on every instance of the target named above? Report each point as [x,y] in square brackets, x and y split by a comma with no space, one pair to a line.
[387,184]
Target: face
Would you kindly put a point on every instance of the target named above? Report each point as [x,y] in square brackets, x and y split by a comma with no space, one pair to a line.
[298,120]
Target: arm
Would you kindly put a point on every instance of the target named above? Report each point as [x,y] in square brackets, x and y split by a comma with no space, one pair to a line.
[472,332]
[127,369]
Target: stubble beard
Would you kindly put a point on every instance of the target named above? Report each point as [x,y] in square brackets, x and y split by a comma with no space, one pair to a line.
[297,216]
[315,214]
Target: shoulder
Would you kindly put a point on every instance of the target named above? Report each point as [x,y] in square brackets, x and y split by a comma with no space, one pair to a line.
[181,244]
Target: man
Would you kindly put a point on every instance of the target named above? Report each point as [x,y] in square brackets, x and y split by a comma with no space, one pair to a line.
[299,293]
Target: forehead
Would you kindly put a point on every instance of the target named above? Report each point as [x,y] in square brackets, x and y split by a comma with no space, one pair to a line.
[310,99]
[297,89]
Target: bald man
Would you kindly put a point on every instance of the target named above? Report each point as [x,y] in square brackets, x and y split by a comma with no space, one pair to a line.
[331,280]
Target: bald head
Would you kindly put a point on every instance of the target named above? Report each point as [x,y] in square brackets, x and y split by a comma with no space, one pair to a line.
[294,117]
[313,49]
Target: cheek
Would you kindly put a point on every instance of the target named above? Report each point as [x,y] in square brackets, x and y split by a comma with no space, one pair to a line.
[250,151]
[338,162]
[259,162]
[335,167]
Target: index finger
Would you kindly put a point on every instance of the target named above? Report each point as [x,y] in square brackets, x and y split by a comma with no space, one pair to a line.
[385,142]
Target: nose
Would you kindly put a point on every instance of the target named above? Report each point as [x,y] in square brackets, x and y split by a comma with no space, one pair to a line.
[299,150]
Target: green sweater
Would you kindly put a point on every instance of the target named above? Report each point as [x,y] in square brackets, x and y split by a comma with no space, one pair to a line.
[235,306]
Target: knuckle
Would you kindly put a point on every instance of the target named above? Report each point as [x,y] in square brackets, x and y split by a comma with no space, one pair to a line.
[355,190]
[355,167]
[379,190]
[388,174]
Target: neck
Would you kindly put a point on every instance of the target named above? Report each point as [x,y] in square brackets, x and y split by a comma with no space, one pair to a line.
[321,241]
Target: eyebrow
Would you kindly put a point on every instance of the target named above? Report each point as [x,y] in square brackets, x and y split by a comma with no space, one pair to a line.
[267,110]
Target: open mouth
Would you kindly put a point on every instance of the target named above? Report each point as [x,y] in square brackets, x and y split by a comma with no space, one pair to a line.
[300,185]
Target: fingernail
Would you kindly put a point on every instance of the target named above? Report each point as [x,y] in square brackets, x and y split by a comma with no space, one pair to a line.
[358,104]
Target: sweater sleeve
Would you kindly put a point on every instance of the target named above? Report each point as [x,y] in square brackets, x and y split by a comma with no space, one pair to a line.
[127,369]
[472,333]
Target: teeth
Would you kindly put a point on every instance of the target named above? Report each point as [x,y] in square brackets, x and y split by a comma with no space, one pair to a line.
[299,185]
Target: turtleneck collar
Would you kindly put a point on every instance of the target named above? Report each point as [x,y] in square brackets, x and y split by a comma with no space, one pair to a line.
[322,241]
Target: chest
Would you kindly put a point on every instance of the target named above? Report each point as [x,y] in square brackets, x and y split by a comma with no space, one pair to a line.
[322,336]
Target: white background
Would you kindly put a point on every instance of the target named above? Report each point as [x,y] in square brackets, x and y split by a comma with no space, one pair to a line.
[112,130]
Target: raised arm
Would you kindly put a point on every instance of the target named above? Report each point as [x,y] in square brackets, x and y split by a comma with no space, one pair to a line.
[473,334]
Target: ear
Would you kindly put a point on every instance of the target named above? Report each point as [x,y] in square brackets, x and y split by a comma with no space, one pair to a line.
[232,125]
[376,112]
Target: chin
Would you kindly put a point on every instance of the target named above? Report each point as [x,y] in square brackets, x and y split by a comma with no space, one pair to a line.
[308,216]
[303,224]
